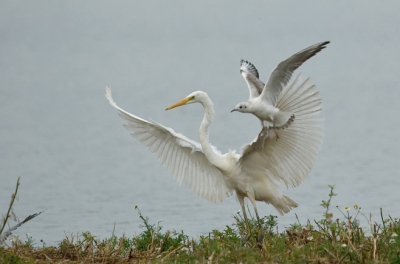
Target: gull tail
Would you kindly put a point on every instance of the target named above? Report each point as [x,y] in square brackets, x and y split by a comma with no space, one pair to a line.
[282,120]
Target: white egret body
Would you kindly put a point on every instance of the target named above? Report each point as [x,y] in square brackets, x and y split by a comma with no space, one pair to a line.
[258,171]
[262,100]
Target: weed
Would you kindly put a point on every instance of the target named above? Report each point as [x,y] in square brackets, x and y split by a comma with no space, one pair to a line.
[329,240]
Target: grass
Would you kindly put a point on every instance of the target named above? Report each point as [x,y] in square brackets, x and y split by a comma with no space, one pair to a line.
[329,240]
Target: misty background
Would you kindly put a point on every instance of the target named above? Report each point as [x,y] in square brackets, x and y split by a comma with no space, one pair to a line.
[76,159]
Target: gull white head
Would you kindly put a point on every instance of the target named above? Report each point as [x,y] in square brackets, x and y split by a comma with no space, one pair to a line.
[243,107]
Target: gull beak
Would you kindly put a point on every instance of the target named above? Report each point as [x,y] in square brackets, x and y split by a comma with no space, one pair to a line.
[180,103]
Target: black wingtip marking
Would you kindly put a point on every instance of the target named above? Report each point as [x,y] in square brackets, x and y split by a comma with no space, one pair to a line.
[250,66]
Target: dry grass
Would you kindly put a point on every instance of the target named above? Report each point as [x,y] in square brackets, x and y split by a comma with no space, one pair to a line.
[325,241]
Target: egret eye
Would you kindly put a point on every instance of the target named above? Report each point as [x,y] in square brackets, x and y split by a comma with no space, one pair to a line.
[241,107]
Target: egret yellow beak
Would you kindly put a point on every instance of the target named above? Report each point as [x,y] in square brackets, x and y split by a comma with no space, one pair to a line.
[181,102]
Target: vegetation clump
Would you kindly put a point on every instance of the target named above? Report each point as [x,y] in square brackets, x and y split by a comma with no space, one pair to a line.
[328,240]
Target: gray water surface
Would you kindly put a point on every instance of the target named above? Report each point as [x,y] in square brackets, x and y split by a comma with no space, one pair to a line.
[76,160]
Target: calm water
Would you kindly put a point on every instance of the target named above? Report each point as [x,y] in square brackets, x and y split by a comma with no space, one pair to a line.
[76,160]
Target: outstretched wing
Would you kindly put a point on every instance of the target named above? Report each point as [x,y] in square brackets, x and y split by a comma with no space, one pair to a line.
[250,75]
[182,156]
[281,75]
[291,157]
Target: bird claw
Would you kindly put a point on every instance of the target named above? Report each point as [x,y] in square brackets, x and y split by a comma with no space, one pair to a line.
[260,238]
[277,136]
[245,240]
[247,236]
[264,134]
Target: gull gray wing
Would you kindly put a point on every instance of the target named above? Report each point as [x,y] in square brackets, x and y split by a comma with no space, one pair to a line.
[281,75]
[182,156]
[291,157]
[251,76]
[249,68]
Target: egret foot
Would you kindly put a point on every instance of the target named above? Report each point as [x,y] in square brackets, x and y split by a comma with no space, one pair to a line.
[260,238]
[247,237]
[245,240]
[247,230]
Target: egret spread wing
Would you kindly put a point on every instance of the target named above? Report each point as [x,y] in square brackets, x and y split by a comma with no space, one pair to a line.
[250,75]
[182,156]
[291,157]
[281,75]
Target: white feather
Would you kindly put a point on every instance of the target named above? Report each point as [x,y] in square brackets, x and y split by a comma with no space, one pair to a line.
[263,100]
[182,156]
[263,165]
[291,157]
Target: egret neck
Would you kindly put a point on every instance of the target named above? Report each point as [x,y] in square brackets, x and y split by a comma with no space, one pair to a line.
[215,158]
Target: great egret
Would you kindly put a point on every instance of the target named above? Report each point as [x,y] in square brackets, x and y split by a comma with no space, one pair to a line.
[262,101]
[258,171]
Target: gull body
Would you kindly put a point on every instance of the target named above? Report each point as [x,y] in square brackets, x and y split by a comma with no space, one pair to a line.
[268,114]
[262,99]
[258,171]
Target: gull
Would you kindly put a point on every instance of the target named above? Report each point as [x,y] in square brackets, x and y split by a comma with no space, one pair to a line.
[263,97]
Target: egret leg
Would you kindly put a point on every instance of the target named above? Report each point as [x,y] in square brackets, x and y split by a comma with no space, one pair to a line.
[241,201]
[260,233]
[253,202]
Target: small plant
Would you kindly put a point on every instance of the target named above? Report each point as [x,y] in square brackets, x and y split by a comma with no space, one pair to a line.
[9,214]
[153,239]
[326,204]
[329,240]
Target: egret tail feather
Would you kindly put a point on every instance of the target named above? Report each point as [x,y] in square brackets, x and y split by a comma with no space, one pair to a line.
[284,204]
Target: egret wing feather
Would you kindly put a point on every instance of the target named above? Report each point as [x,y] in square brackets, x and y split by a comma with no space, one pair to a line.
[181,155]
[281,75]
[290,158]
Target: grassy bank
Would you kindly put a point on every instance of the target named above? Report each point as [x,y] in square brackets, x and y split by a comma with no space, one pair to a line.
[333,239]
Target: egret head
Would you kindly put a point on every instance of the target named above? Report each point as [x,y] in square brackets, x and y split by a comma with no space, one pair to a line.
[190,99]
[243,107]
